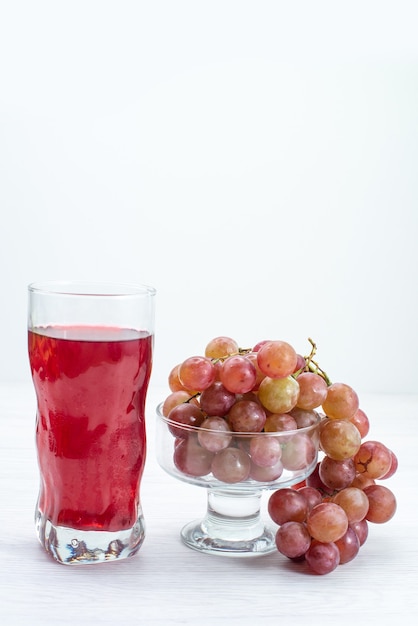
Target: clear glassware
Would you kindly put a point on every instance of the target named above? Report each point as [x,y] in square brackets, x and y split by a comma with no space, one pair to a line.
[90,352]
[233,524]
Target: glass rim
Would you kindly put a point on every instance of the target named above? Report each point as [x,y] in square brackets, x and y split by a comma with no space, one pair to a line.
[90,288]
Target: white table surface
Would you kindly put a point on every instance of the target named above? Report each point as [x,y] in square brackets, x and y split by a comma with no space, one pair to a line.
[167,583]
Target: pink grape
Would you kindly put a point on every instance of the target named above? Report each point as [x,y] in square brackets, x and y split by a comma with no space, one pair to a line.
[382,504]
[304,417]
[312,390]
[341,401]
[173,379]
[280,422]
[354,502]
[337,474]
[313,496]
[175,398]
[339,439]
[361,529]
[183,415]
[314,480]
[299,452]
[265,451]
[287,505]
[191,459]
[373,459]
[393,466]
[197,373]
[361,421]
[266,474]
[231,465]
[215,434]
[220,347]
[247,416]
[322,558]
[216,399]
[348,546]
[238,374]
[277,359]
[327,522]
[292,539]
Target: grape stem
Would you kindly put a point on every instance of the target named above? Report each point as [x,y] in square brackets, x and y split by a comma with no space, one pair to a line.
[312,366]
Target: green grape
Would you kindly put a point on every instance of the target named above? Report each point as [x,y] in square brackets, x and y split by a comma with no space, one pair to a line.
[278,395]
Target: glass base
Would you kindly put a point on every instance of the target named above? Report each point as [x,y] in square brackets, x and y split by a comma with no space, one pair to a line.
[70,546]
[232,526]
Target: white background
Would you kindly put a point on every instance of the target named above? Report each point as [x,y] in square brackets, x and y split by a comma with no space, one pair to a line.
[255,161]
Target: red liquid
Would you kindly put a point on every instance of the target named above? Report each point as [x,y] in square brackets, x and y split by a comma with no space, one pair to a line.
[91,386]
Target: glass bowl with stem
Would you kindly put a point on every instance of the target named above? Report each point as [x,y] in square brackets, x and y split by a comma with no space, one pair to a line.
[235,468]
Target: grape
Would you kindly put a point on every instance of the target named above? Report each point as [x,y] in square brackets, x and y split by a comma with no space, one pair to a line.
[327,522]
[266,474]
[277,359]
[238,374]
[173,379]
[313,496]
[322,558]
[197,373]
[221,347]
[361,529]
[191,459]
[300,363]
[337,474]
[341,401]
[265,451]
[314,480]
[247,416]
[303,417]
[312,390]
[260,344]
[231,465]
[175,398]
[373,459]
[216,434]
[280,422]
[393,466]
[339,439]
[216,399]
[354,502]
[252,357]
[299,452]
[361,421]
[382,504]
[185,414]
[292,539]
[361,481]
[287,505]
[348,546]
[278,395]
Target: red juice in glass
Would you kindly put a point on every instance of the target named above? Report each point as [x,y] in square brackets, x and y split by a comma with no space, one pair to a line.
[91,384]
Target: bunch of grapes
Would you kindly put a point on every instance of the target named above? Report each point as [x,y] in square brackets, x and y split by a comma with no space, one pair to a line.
[231,392]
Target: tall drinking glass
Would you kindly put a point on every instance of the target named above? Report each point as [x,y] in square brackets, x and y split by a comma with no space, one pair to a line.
[90,352]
